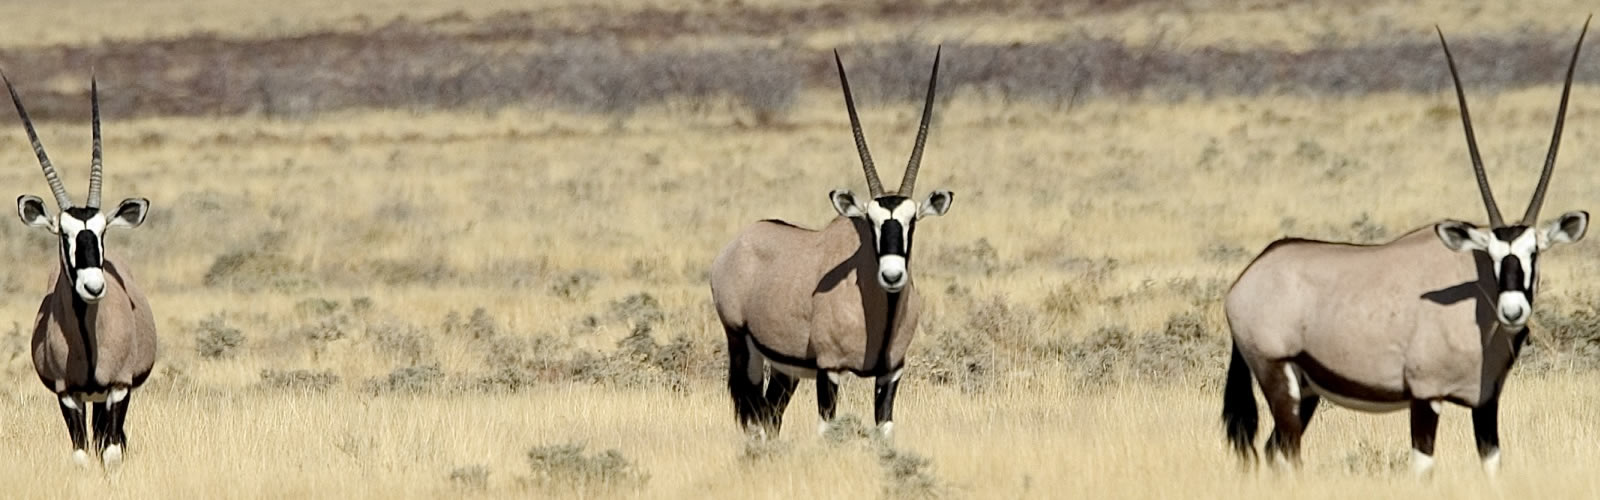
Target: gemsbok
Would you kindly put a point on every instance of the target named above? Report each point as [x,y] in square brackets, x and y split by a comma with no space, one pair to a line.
[1409,324]
[801,303]
[94,339]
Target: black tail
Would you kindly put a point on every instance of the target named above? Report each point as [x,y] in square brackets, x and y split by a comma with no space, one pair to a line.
[1239,408]
[748,401]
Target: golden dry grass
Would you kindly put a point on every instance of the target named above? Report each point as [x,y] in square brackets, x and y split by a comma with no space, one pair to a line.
[429,214]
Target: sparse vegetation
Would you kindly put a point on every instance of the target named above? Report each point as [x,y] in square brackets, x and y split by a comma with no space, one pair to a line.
[565,468]
[381,244]
[215,339]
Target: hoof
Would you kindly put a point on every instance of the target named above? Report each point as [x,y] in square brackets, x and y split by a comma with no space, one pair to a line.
[80,458]
[886,430]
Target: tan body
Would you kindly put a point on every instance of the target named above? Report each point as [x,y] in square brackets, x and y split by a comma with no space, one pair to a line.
[808,299]
[120,328]
[1422,329]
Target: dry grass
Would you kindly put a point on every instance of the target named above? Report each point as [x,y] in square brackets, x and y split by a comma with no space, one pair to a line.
[422,304]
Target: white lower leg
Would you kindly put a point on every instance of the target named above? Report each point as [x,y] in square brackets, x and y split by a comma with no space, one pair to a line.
[112,456]
[1491,463]
[1421,463]
[80,457]
[886,429]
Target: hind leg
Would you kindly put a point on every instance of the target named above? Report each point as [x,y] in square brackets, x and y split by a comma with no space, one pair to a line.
[72,410]
[1282,389]
[780,389]
[99,421]
[746,374]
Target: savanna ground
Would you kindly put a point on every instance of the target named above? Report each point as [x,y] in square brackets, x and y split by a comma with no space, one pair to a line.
[416,249]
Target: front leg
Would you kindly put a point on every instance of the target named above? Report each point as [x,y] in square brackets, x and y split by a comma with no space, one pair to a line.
[1424,425]
[883,402]
[72,410]
[1486,426]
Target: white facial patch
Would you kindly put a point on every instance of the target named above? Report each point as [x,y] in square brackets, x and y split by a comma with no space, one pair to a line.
[1524,248]
[1498,250]
[70,225]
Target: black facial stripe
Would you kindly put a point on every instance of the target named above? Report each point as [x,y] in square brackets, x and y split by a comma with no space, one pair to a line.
[1511,274]
[88,251]
[909,233]
[1509,233]
[891,239]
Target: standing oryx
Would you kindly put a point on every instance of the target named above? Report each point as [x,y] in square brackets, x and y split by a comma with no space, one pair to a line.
[94,339]
[821,303]
[1408,324]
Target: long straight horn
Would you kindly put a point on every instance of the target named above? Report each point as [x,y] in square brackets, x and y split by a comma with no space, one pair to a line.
[62,201]
[1495,220]
[910,180]
[1531,216]
[94,163]
[873,184]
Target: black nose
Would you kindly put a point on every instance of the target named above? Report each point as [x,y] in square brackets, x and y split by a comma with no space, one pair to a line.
[94,290]
[892,276]
[1515,315]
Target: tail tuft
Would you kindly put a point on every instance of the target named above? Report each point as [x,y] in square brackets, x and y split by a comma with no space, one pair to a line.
[1239,415]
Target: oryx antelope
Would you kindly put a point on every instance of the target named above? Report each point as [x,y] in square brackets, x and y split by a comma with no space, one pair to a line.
[801,303]
[1438,315]
[94,339]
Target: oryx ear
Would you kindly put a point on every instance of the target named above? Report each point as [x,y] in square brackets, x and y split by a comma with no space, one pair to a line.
[1461,236]
[130,213]
[33,212]
[937,204]
[845,203]
[1567,228]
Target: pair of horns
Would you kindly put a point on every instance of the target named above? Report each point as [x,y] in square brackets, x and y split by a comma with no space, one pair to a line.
[1532,214]
[910,180]
[60,190]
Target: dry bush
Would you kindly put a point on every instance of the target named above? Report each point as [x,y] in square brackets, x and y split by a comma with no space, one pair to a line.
[471,477]
[298,380]
[764,450]
[1185,345]
[639,308]
[1564,335]
[407,380]
[907,474]
[1374,460]
[565,468]
[214,338]
[847,428]
[256,270]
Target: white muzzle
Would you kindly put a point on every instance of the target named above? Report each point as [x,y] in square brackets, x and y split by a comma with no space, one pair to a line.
[892,274]
[91,284]
[1513,309]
